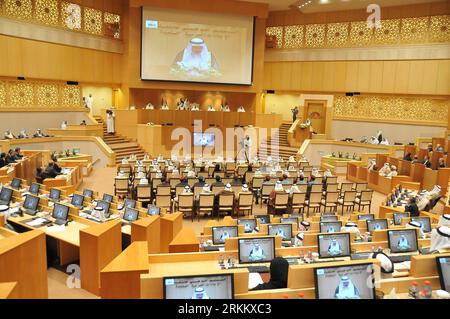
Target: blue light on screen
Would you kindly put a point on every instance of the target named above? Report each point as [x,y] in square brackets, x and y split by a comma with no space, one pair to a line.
[151,24]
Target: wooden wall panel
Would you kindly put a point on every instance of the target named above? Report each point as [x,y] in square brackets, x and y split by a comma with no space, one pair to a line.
[40,60]
[430,77]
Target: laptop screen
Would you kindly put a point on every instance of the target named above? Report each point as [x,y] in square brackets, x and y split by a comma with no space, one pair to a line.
[330,218]
[263,219]
[130,203]
[283,230]
[334,245]
[376,224]
[366,217]
[199,287]
[34,188]
[296,216]
[256,250]
[291,220]
[16,183]
[443,265]
[249,224]
[153,210]
[330,227]
[403,240]
[6,194]
[424,222]
[88,193]
[131,214]
[398,218]
[105,206]
[77,200]
[345,282]
[108,198]
[60,211]
[219,234]
[31,202]
[55,194]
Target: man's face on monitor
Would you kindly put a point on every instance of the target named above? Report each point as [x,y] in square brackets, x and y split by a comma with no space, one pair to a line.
[346,283]
[197,49]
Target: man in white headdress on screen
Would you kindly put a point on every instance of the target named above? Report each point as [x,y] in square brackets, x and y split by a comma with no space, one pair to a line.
[440,239]
[334,248]
[403,243]
[196,60]
[225,235]
[200,293]
[346,289]
[256,253]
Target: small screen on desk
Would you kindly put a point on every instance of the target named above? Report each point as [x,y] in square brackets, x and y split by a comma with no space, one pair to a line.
[366,217]
[345,282]
[108,198]
[296,216]
[6,194]
[130,203]
[330,227]
[256,250]
[249,224]
[55,194]
[60,211]
[330,218]
[199,287]
[334,245]
[131,214]
[31,202]
[283,230]
[34,188]
[263,219]
[15,183]
[88,193]
[77,200]
[292,220]
[105,206]
[443,265]
[398,218]
[219,234]
[402,241]
[153,210]
[376,224]
[424,222]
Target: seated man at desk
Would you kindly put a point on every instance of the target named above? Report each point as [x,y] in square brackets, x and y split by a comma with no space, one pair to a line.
[225,108]
[10,157]
[346,289]
[241,109]
[440,239]
[412,207]
[23,134]
[149,106]
[17,154]
[385,170]
[257,253]
[211,108]
[8,135]
[38,133]
[3,160]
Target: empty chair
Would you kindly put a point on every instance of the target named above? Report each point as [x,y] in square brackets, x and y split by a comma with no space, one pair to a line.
[314,201]
[173,182]
[143,193]
[211,171]
[226,204]
[319,180]
[163,190]
[121,186]
[245,203]
[241,170]
[348,200]
[330,200]
[359,187]
[364,199]
[217,189]
[332,180]
[205,205]
[236,189]
[163,201]
[257,183]
[249,177]
[280,203]
[316,188]
[155,183]
[345,187]
[230,167]
[186,204]
[298,202]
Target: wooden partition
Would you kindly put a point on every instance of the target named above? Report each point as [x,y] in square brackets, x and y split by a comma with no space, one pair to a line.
[99,245]
[148,229]
[9,290]
[171,225]
[23,259]
[120,279]
[184,242]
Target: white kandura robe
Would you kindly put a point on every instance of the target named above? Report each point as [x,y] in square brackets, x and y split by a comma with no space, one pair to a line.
[110,123]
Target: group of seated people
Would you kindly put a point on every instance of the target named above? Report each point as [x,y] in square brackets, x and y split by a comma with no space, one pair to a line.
[426,160]
[51,171]
[184,104]
[418,201]
[11,157]
[23,134]
[378,139]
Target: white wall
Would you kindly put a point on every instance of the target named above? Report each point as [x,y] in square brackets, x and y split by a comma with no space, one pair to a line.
[102,97]
[282,104]
[31,121]
[401,133]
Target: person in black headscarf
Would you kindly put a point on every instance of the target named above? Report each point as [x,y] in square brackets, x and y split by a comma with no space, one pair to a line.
[279,268]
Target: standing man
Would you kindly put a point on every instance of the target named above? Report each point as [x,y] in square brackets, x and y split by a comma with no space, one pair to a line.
[294,113]
[110,122]
[89,101]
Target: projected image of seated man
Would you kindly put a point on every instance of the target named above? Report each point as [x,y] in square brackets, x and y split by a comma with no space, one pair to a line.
[334,249]
[200,293]
[346,289]
[196,61]
[257,253]
[403,243]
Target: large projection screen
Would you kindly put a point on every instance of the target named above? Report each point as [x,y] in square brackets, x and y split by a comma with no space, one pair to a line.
[196,47]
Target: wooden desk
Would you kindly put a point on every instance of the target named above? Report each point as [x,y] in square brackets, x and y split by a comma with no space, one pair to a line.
[148,229]
[171,225]
[121,277]
[9,290]
[77,130]
[184,242]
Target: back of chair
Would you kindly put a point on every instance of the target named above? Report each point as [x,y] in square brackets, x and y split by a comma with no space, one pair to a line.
[191,181]
[204,174]
[307,174]
[332,197]
[155,182]
[236,189]
[217,189]
[179,190]
[316,188]
[125,168]
[241,170]
[143,191]
[332,180]
[366,195]
[211,170]
[163,190]
[267,189]
[227,180]
[349,196]
[332,187]
[163,201]
[319,179]
[346,187]
[360,187]
[174,182]
[257,182]
[302,187]
[249,177]
[298,198]
[221,174]
[230,166]
[210,180]
[315,197]
[206,200]
[245,199]
[121,183]
[226,200]
[281,199]
[186,200]
[197,190]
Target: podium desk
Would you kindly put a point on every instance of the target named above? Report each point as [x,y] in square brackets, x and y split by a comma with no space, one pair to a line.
[171,225]
[9,290]
[184,242]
